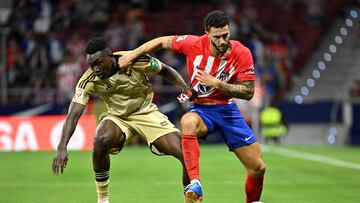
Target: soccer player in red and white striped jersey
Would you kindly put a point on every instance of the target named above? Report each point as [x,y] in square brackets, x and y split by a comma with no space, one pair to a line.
[220,69]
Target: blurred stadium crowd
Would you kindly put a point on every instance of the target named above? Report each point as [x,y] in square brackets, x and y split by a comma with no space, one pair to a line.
[45,40]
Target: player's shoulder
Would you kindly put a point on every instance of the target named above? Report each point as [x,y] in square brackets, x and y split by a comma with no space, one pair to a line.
[204,39]
[239,49]
[87,76]
[188,38]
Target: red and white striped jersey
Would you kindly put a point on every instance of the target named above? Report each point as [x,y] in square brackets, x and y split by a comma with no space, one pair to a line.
[238,66]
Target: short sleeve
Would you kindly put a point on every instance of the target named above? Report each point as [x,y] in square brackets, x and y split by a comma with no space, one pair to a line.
[84,89]
[147,64]
[184,43]
[246,66]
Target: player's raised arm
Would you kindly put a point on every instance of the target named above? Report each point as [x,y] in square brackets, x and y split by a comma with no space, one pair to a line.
[61,157]
[158,43]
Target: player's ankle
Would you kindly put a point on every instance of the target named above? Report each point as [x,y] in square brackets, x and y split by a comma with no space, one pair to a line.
[102,186]
[195,181]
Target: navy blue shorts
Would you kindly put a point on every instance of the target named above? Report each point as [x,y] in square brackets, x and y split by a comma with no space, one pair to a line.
[227,119]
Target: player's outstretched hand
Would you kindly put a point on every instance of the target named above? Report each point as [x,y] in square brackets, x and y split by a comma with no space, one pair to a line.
[125,62]
[59,162]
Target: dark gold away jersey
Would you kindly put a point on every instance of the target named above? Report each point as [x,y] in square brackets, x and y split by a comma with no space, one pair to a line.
[123,94]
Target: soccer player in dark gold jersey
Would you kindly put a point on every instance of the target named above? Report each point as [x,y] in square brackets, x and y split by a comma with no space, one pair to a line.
[130,111]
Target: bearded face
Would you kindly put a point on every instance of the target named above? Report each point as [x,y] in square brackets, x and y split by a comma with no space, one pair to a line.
[220,38]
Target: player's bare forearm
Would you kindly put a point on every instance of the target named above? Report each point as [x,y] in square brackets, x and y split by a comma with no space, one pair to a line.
[241,90]
[61,158]
[126,60]
[153,45]
[173,77]
[74,114]
[68,130]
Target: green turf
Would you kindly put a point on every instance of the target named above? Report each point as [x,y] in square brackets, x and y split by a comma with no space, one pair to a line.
[137,176]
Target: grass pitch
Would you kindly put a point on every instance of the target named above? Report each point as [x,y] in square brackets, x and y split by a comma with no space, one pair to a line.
[302,174]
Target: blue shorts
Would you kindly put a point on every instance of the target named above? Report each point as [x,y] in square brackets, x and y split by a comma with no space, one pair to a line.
[227,119]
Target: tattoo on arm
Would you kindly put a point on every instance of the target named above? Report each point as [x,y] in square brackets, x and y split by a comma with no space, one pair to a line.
[168,42]
[153,45]
[241,90]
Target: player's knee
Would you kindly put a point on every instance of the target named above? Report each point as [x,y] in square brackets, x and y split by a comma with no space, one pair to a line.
[189,122]
[102,140]
[262,169]
[259,169]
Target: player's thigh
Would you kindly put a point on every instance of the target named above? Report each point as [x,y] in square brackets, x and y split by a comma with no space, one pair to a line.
[109,133]
[152,127]
[192,123]
[251,157]
[169,144]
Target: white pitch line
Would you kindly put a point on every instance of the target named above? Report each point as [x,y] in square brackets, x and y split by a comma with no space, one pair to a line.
[311,157]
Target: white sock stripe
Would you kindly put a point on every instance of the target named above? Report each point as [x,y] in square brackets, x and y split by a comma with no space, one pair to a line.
[101,175]
[107,175]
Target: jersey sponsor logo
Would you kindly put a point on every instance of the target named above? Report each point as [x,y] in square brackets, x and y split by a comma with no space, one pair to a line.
[181,38]
[204,89]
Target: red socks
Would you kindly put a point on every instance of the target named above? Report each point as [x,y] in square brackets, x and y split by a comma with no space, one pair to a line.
[191,151]
[253,188]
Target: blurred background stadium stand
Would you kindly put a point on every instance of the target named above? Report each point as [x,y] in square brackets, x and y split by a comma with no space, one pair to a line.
[42,57]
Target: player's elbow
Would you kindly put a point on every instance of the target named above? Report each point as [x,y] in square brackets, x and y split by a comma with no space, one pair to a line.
[249,96]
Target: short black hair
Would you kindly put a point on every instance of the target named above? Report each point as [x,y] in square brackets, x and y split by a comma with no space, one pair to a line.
[216,19]
[96,44]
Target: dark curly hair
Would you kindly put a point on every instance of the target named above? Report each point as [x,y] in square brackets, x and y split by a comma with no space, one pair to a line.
[96,44]
[216,19]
